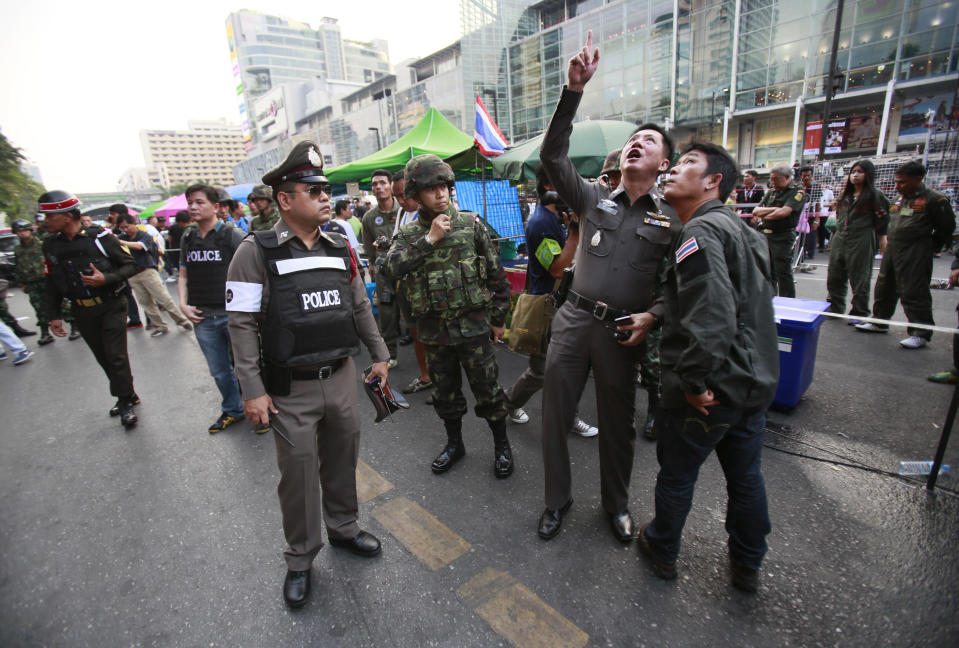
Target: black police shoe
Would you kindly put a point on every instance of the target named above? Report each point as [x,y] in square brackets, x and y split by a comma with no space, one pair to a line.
[127,417]
[551,521]
[622,526]
[45,339]
[74,334]
[503,461]
[362,544]
[742,577]
[296,588]
[115,410]
[450,455]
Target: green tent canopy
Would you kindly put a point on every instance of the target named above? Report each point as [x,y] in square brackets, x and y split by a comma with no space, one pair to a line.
[589,144]
[433,134]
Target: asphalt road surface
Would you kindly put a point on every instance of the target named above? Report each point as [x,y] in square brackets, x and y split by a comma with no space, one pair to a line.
[167,536]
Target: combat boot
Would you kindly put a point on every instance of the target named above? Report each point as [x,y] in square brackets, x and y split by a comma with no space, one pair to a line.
[21,332]
[74,333]
[652,411]
[502,454]
[45,337]
[454,450]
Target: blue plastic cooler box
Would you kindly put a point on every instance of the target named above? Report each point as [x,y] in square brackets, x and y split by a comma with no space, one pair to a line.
[798,338]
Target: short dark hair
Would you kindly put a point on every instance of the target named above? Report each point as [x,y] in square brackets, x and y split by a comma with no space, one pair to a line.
[804,169]
[541,180]
[127,218]
[399,175]
[718,160]
[667,140]
[119,209]
[340,206]
[382,172]
[232,204]
[211,194]
[182,216]
[751,172]
[912,168]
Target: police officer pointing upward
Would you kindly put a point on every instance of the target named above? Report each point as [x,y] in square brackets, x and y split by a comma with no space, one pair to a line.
[624,237]
[298,311]
[89,266]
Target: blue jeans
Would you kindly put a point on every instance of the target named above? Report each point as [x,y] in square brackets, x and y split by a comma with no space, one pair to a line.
[10,340]
[686,438]
[213,337]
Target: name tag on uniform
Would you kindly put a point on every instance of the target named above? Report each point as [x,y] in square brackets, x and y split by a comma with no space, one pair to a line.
[906,211]
[656,222]
[607,206]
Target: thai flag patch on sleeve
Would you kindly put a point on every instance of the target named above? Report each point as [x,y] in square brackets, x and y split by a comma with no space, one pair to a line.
[686,249]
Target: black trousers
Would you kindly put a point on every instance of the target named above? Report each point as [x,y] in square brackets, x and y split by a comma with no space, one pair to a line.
[104,329]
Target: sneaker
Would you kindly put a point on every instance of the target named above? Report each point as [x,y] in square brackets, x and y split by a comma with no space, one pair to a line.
[134,325]
[22,357]
[518,415]
[115,410]
[416,385]
[157,332]
[3,355]
[261,429]
[947,377]
[913,342]
[186,326]
[392,363]
[853,322]
[869,327]
[742,577]
[171,279]
[878,256]
[222,423]
[662,568]
[584,429]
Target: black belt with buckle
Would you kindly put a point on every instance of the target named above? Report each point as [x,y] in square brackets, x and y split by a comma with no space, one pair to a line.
[600,310]
[320,373]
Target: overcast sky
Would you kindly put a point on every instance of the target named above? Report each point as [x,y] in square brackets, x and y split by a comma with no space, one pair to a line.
[80,79]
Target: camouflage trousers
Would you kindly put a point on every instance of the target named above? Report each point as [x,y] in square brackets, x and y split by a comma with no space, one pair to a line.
[37,292]
[649,366]
[477,358]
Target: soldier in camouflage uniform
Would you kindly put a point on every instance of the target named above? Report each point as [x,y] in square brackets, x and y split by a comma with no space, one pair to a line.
[261,202]
[458,293]
[30,275]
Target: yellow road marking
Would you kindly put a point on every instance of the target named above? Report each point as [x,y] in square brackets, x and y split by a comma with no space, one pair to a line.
[517,614]
[425,536]
[369,483]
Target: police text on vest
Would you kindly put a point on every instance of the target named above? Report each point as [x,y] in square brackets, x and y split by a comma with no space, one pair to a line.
[320,299]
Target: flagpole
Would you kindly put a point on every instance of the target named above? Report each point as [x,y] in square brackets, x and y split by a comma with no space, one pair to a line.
[483,180]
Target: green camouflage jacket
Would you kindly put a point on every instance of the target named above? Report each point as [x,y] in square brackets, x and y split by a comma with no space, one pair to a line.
[456,288]
[29,261]
[266,220]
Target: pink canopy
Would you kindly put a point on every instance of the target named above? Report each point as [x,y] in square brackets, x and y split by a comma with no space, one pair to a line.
[172,206]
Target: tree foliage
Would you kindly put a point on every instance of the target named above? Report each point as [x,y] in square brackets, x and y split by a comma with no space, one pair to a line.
[18,191]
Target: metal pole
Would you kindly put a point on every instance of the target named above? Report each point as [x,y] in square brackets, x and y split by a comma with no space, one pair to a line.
[712,116]
[943,440]
[792,151]
[483,180]
[884,124]
[832,70]
[725,125]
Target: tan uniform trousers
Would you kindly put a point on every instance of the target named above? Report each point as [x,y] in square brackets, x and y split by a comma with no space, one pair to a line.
[150,290]
[320,417]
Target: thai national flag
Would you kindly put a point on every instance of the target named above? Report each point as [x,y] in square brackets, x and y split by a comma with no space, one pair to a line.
[488,137]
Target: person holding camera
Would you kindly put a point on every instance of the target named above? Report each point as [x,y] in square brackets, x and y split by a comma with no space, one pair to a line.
[88,266]
[611,305]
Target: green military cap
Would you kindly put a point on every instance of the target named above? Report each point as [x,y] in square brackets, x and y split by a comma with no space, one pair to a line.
[612,161]
[221,195]
[260,191]
[303,164]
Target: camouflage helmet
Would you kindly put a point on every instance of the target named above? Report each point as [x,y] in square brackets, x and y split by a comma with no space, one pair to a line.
[20,225]
[425,171]
[261,191]
[221,195]
[612,161]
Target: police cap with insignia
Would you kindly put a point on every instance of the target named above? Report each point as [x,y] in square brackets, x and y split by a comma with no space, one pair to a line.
[303,164]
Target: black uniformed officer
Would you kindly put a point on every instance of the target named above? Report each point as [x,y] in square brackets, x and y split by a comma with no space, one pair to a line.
[298,311]
[624,237]
[89,266]
[720,365]
[779,214]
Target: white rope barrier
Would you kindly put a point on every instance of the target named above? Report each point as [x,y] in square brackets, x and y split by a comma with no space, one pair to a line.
[861,318]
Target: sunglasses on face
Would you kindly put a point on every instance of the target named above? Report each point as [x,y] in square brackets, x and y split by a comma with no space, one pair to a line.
[316,190]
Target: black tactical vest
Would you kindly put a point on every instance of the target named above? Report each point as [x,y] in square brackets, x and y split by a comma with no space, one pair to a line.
[309,317]
[207,260]
[68,259]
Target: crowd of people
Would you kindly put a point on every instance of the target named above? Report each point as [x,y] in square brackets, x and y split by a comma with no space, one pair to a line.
[279,307]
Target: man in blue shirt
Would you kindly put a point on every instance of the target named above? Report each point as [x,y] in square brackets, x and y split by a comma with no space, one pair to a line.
[550,252]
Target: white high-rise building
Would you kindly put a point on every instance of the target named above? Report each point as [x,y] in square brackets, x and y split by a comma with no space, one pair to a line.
[206,152]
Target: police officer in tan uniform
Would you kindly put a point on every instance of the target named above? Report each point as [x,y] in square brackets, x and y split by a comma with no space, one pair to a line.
[611,308]
[298,311]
